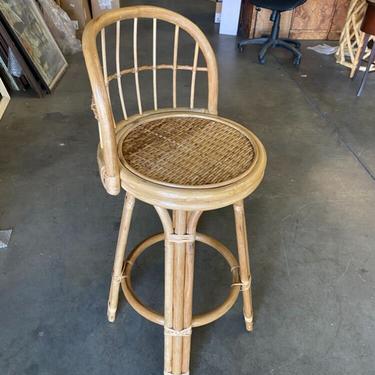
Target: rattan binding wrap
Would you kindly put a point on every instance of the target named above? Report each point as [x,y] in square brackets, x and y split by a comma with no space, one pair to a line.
[188,151]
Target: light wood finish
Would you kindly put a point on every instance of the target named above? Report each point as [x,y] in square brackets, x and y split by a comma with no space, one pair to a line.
[168,286]
[194,75]
[243,255]
[175,55]
[362,53]
[118,70]
[201,152]
[197,320]
[192,197]
[314,19]
[178,291]
[188,160]
[135,57]
[119,257]
[104,58]
[99,77]
[191,226]
[154,66]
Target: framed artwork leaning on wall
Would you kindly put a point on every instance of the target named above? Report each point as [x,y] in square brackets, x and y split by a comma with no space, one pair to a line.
[26,24]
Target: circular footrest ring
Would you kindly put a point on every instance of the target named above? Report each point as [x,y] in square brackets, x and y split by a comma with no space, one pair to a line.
[198,320]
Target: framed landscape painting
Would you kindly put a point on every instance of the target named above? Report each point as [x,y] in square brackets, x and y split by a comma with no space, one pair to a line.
[27,25]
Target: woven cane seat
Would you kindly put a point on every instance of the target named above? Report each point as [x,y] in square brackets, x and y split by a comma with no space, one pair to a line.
[187,151]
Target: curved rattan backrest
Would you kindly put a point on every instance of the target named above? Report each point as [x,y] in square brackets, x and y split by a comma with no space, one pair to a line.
[100,77]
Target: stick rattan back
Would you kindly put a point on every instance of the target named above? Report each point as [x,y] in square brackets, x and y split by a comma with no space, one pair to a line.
[100,77]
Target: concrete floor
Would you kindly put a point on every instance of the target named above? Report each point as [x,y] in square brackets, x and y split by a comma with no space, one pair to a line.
[311,230]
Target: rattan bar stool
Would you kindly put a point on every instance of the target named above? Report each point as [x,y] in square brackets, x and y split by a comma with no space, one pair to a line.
[184,159]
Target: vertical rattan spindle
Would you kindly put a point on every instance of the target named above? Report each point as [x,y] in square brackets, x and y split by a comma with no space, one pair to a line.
[136,76]
[119,256]
[168,287]
[178,290]
[194,75]
[243,257]
[175,57]
[154,68]
[189,285]
[104,59]
[118,69]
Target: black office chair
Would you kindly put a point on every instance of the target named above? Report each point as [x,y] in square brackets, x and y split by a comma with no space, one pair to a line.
[273,40]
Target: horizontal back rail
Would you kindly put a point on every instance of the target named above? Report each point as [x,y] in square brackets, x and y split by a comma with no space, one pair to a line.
[154,68]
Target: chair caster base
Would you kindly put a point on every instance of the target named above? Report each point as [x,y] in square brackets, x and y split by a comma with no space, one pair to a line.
[295,43]
[270,42]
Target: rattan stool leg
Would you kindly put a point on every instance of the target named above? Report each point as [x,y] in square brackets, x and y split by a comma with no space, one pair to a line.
[119,256]
[243,255]
[178,290]
[192,222]
[179,274]
[359,55]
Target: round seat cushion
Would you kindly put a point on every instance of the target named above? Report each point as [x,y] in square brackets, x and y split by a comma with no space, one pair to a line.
[187,151]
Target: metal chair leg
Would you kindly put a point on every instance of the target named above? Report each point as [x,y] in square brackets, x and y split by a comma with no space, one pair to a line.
[263,51]
[289,47]
[247,42]
[365,76]
[296,43]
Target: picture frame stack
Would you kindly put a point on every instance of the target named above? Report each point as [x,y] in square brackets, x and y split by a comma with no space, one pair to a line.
[29,55]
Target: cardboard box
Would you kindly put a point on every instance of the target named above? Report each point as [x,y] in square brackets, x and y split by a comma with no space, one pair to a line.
[79,11]
[98,7]
[219,5]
